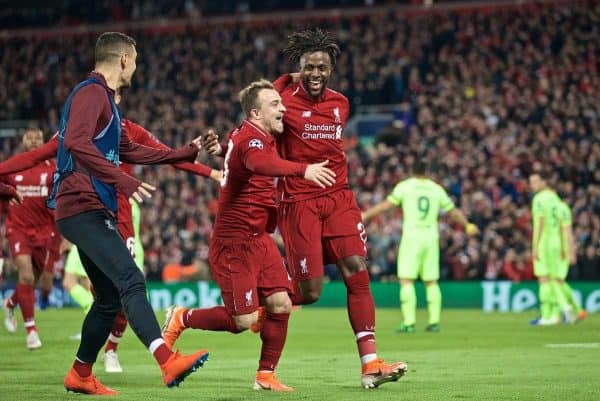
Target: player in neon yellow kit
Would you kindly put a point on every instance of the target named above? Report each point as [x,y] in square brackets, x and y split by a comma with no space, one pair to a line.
[568,258]
[421,200]
[547,252]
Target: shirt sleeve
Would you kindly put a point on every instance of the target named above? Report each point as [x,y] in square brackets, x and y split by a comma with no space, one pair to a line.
[282,82]
[397,195]
[134,153]
[27,160]
[566,217]
[536,207]
[446,203]
[140,135]
[264,161]
[345,110]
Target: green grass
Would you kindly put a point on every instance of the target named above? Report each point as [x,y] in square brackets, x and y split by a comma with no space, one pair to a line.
[475,356]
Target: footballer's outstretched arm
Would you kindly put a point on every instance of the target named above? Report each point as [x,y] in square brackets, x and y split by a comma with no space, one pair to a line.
[376,210]
[139,134]
[458,216]
[27,160]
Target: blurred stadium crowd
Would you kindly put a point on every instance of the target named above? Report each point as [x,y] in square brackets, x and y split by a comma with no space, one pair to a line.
[485,97]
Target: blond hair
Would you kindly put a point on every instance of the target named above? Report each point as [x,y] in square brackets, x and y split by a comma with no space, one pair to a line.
[249,95]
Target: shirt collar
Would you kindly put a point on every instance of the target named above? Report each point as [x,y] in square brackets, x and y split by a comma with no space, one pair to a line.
[251,125]
[102,80]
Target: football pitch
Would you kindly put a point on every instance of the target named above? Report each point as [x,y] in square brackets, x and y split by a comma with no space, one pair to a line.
[476,356]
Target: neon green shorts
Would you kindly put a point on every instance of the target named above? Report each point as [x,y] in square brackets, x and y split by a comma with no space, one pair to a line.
[562,270]
[73,263]
[548,263]
[419,258]
[138,248]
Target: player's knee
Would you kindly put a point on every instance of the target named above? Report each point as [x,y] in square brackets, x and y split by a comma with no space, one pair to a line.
[68,282]
[280,303]
[26,278]
[243,322]
[310,296]
[352,265]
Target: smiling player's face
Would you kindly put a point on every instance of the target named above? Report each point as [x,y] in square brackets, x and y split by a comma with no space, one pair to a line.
[315,70]
[270,111]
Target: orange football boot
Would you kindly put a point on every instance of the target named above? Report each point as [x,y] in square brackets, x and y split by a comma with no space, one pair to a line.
[86,385]
[173,326]
[178,366]
[377,372]
[269,381]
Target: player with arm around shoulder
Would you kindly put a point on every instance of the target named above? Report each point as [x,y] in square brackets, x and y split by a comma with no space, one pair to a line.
[319,225]
[244,259]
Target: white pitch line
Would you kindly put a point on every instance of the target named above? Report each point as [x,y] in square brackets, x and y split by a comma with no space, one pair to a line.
[574,345]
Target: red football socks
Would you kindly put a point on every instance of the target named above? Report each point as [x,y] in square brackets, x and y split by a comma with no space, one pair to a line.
[116,332]
[273,335]
[26,300]
[162,354]
[214,319]
[83,369]
[361,311]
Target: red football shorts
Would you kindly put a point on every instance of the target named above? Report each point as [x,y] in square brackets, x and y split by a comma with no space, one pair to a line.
[320,231]
[247,271]
[41,243]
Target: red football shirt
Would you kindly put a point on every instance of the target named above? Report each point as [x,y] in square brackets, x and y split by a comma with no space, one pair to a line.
[140,135]
[134,132]
[247,196]
[34,184]
[313,133]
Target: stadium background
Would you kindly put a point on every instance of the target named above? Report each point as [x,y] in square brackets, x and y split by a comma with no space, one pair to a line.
[485,91]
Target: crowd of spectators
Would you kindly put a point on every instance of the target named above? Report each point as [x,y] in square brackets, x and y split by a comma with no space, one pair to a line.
[486,97]
[45,13]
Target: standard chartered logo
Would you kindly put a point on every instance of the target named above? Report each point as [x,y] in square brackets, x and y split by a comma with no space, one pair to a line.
[322,131]
[500,296]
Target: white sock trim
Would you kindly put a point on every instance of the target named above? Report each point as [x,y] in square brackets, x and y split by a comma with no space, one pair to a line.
[362,334]
[368,358]
[155,344]
[30,323]
[114,339]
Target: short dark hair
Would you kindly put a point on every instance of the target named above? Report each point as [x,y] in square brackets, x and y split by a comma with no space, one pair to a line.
[249,95]
[419,167]
[309,41]
[111,45]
